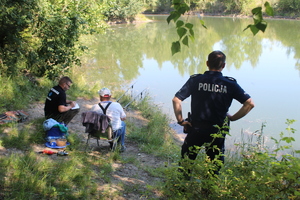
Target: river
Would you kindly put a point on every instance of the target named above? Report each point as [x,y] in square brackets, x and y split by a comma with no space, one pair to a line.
[265,65]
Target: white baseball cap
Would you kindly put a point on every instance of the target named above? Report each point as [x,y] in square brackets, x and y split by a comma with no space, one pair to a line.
[104,92]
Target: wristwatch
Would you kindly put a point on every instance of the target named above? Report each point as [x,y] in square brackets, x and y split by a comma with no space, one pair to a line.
[180,122]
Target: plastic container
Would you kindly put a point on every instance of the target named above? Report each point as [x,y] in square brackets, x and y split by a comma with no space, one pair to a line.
[49,152]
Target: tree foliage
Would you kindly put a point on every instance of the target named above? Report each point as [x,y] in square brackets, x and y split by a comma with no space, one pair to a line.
[16,17]
[59,29]
[122,9]
[41,37]
[289,6]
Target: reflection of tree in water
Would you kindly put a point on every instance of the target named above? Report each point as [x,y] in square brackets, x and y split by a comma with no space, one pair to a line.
[119,54]
[286,31]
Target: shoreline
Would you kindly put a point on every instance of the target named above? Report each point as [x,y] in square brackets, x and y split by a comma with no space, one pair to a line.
[139,19]
[239,16]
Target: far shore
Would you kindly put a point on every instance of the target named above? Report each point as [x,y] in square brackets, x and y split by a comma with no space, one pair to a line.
[139,19]
[229,15]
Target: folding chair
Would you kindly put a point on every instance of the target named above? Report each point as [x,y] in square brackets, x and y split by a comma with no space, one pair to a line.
[98,135]
[98,129]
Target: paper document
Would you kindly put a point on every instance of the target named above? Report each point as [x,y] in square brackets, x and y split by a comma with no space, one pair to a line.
[76,106]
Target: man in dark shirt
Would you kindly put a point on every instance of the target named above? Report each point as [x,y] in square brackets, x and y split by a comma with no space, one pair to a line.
[57,106]
[211,96]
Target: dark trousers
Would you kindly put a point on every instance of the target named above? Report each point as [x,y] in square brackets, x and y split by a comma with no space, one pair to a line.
[64,117]
[200,135]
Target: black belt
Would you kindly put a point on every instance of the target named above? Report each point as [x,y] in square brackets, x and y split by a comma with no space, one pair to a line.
[206,124]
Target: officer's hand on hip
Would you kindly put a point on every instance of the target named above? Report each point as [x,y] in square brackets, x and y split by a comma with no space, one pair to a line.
[186,123]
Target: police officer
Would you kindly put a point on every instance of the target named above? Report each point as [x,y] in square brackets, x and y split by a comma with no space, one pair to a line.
[57,106]
[211,96]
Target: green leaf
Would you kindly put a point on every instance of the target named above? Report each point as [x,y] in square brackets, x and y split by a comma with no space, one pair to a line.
[254,29]
[192,38]
[288,139]
[192,33]
[175,47]
[181,32]
[189,25]
[269,9]
[177,15]
[257,18]
[261,26]
[173,16]
[202,23]
[256,10]
[169,18]
[247,27]
[183,9]
[179,23]
[185,41]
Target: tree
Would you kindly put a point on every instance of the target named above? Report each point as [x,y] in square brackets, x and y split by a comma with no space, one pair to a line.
[16,17]
[42,36]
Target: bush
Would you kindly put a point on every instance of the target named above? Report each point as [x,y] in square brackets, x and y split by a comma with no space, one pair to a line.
[288,6]
[122,10]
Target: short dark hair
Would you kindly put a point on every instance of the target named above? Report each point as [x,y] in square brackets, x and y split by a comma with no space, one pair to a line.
[216,59]
[64,79]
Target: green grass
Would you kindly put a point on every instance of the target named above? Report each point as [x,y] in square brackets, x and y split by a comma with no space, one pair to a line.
[252,171]
[26,174]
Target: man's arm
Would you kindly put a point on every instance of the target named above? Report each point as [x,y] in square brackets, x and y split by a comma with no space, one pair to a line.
[178,111]
[68,101]
[244,110]
[122,113]
[62,108]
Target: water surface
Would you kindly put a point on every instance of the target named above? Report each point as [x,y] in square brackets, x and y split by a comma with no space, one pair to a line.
[266,66]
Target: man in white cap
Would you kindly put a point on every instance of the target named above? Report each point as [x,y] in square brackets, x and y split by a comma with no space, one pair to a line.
[115,112]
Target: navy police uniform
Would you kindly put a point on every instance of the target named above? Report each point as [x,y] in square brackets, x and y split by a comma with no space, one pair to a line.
[211,96]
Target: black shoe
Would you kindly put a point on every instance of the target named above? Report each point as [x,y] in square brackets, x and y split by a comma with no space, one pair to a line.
[123,148]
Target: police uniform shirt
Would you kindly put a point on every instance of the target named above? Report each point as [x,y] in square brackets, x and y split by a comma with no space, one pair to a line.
[55,98]
[211,96]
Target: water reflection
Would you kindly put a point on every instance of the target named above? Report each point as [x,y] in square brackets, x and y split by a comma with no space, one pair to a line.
[124,47]
[264,65]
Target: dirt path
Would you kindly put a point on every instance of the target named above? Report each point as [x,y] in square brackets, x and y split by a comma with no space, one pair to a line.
[131,175]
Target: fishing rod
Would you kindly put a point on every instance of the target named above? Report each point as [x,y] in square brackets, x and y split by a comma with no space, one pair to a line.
[131,87]
[141,93]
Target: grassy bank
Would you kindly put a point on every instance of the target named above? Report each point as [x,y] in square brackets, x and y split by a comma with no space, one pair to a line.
[26,174]
[252,171]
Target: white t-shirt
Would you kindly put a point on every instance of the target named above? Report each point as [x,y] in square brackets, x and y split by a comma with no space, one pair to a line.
[115,112]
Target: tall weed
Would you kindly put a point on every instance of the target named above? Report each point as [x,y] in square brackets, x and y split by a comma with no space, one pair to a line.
[156,137]
[260,173]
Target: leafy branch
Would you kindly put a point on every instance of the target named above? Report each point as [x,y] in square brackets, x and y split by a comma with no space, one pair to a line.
[259,23]
[184,30]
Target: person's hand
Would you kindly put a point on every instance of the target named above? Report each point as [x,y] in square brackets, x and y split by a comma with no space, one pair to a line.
[72,104]
[229,116]
[186,123]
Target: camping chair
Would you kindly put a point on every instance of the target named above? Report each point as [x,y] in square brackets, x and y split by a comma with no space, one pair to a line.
[98,126]
[99,135]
